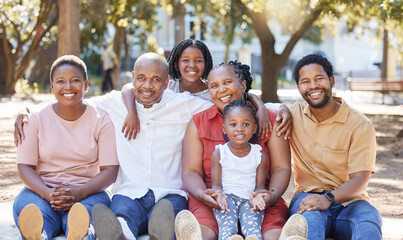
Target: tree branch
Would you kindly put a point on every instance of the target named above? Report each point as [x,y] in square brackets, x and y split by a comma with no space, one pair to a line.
[259,20]
[314,14]
[23,65]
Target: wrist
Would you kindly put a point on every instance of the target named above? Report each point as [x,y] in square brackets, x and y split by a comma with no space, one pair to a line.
[329,196]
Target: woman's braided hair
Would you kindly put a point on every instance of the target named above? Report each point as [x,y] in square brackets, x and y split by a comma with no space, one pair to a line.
[241,70]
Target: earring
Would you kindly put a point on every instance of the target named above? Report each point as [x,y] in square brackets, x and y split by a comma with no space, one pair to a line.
[245,96]
[203,80]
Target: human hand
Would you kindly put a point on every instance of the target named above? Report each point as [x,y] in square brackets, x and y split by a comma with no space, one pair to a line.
[131,126]
[61,198]
[257,201]
[284,118]
[313,202]
[221,199]
[21,119]
[264,122]
[207,198]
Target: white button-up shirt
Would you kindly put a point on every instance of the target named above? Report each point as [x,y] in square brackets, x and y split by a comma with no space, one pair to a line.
[153,159]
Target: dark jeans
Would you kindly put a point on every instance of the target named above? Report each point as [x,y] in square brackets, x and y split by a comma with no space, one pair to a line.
[137,212]
[53,221]
[107,81]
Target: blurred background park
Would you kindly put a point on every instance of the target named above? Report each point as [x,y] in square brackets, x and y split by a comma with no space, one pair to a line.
[363,39]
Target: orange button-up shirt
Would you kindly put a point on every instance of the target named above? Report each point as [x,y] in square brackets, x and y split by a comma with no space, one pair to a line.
[325,153]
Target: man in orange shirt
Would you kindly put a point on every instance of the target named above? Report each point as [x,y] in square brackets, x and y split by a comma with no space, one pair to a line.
[334,150]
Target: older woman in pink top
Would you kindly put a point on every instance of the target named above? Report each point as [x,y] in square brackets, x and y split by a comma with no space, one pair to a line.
[67,160]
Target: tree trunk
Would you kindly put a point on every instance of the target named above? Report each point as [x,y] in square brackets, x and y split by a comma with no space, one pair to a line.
[69,31]
[179,12]
[272,62]
[127,55]
[270,74]
[118,42]
[384,64]
[8,86]
[226,52]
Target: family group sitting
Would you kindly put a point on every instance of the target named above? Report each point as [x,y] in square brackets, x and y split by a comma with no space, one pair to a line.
[193,155]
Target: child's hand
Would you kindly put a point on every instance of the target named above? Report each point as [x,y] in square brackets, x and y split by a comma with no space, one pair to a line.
[257,202]
[131,125]
[264,122]
[221,199]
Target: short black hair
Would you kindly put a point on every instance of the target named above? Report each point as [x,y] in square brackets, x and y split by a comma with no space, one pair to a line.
[241,70]
[179,47]
[69,60]
[310,59]
[241,103]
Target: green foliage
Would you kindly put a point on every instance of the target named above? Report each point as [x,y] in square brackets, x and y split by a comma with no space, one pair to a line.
[25,25]
[22,86]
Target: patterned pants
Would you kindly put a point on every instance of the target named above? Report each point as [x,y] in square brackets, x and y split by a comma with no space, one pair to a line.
[239,209]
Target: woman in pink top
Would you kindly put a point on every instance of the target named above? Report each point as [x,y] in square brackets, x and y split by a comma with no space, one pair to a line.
[66,161]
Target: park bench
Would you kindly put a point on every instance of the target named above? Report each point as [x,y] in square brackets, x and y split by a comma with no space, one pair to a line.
[376,85]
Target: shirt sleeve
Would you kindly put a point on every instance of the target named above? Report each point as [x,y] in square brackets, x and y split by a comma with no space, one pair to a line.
[273,106]
[107,154]
[28,150]
[362,152]
[104,102]
[196,104]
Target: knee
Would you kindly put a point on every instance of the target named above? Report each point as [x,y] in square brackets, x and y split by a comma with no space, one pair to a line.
[208,233]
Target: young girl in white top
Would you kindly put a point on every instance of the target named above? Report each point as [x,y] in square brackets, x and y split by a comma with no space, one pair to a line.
[237,171]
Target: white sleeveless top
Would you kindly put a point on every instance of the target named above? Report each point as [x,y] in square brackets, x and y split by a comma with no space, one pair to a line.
[238,174]
[174,86]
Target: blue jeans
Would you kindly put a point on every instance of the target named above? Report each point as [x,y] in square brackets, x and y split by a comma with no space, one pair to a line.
[137,212]
[358,220]
[53,221]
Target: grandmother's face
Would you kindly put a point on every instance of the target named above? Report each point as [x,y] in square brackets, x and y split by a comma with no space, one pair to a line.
[225,86]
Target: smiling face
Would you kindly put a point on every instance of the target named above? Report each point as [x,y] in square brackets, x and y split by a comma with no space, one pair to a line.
[150,77]
[68,85]
[225,86]
[315,86]
[239,125]
[191,64]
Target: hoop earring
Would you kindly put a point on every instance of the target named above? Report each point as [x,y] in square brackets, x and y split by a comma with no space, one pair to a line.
[245,96]
[203,80]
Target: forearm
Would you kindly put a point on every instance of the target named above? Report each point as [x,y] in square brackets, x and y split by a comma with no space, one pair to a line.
[256,101]
[279,180]
[352,188]
[34,182]
[194,184]
[128,97]
[99,183]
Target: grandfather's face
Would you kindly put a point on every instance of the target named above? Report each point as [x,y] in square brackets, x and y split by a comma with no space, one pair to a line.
[150,79]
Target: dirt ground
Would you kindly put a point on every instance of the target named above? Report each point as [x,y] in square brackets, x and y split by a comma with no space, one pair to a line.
[385,187]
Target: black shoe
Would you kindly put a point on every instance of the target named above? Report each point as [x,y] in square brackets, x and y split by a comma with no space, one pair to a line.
[161,225]
[106,224]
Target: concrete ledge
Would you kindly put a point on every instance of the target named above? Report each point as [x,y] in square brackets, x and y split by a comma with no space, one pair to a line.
[391,229]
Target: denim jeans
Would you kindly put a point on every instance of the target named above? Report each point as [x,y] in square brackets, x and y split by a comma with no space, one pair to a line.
[136,212]
[358,220]
[53,221]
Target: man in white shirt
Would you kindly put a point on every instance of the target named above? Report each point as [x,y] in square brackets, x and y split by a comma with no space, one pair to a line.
[150,165]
